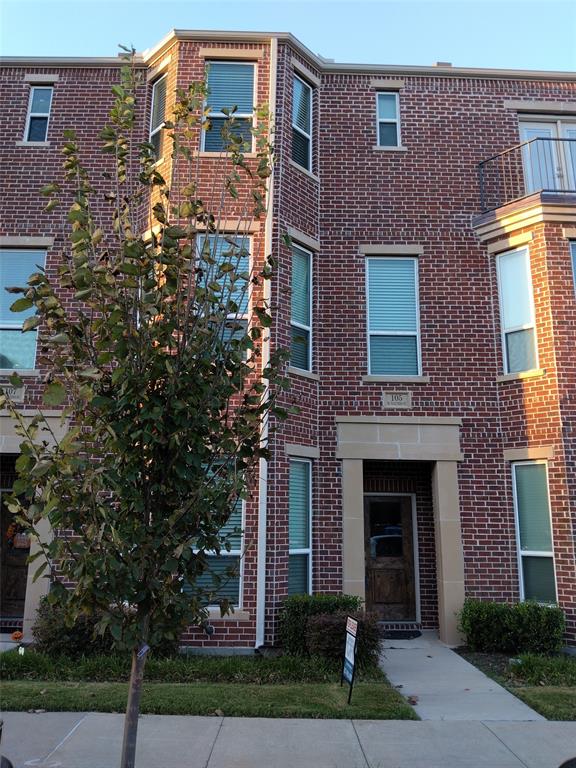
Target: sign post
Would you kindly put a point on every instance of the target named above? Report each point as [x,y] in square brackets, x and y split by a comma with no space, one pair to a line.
[349,665]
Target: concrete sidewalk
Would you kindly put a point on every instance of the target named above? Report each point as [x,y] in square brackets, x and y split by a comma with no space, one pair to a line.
[445,686]
[75,740]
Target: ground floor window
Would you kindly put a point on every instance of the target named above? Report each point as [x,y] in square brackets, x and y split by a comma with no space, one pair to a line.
[534,532]
[300,527]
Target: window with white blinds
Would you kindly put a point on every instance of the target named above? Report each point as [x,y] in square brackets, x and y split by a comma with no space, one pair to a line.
[534,532]
[387,118]
[223,576]
[230,90]
[393,322]
[302,123]
[300,527]
[517,311]
[158,115]
[17,349]
[573,254]
[301,309]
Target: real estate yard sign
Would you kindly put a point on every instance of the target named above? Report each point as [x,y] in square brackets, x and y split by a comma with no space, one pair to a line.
[349,665]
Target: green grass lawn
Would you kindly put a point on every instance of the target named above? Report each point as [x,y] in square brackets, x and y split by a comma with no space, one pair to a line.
[545,683]
[198,685]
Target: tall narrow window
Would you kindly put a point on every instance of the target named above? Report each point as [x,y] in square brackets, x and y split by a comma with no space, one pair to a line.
[299,525]
[533,532]
[158,115]
[388,122]
[517,311]
[223,575]
[17,349]
[393,323]
[301,309]
[230,87]
[573,253]
[302,124]
[38,113]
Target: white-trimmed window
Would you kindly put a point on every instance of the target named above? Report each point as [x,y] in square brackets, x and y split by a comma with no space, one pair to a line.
[300,527]
[573,254]
[230,87]
[17,349]
[534,532]
[302,123]
[517,311]
[224,575]
[301,309]
[388,119]
[235,250]
[393,316]
[38,113]
[158,115]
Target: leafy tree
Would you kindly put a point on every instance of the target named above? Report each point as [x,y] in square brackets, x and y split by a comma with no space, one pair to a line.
[161,377]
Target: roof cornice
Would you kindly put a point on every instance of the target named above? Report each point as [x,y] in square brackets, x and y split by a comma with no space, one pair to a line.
[325,66]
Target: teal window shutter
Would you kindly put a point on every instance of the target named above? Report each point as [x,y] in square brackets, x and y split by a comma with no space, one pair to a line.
[230,85]
[300,344]
[17,349]
[299,527]
[534,532]
[393,316]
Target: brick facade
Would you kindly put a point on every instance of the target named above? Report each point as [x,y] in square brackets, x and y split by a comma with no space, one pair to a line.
[424,196]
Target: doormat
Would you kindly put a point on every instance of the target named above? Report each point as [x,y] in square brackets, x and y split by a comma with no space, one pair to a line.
[400,634]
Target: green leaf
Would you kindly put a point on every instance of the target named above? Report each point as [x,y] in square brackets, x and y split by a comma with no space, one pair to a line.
[15,380]
[21,304]
[55,393]
[30,323]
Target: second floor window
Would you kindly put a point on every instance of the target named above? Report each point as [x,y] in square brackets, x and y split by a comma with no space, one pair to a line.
[517,311]
[301,310]
[158,115]
[17,349]
[388,119]
[302,124]
[393,323]
[230,85]
[38,113]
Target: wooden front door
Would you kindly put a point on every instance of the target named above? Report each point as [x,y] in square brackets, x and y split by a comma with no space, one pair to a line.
[389,549]
[14,551]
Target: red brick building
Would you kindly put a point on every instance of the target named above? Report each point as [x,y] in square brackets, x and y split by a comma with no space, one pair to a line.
[428,300]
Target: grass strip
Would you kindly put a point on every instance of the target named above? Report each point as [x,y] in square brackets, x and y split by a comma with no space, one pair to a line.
[370,700]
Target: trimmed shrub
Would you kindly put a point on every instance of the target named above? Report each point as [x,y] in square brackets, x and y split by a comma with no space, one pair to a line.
[326,637]
[512,628]
[296,611]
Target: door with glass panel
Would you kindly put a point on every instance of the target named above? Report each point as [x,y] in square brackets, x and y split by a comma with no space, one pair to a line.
[389,556]
[549,156]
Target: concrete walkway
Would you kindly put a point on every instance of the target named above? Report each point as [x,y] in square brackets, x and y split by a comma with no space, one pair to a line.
[446,687]
[71,740]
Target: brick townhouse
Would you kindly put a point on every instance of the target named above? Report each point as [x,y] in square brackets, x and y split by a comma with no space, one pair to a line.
[428,301]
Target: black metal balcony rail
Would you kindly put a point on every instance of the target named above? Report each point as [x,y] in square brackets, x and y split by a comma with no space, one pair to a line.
[537,165]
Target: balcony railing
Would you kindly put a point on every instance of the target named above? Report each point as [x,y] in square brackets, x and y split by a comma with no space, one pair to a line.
[538,165]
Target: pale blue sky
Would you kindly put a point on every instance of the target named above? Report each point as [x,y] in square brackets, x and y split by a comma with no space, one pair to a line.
[517,34]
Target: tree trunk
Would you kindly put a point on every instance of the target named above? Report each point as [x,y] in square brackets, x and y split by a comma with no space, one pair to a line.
[128,759]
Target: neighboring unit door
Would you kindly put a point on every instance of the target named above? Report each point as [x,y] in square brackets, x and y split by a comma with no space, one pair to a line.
[14,551]
[389,552]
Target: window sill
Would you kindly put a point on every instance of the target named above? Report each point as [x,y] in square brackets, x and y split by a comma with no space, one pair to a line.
[390,149]
[32,143]
[535,373]
[395,379]
[304,171]
[24,372]
[238,615]
[305,374]
[202,153]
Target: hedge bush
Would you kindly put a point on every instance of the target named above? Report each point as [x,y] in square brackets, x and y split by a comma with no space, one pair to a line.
[326,637]
[296,611]
[53,637]
[512,628]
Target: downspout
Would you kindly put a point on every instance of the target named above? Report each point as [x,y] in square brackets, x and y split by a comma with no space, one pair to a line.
[263,465]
